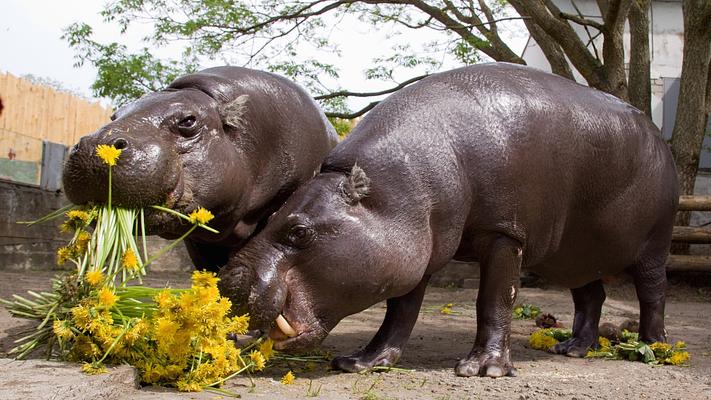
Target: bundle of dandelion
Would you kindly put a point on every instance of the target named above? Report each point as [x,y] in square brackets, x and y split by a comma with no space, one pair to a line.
[627,348]
[174,337]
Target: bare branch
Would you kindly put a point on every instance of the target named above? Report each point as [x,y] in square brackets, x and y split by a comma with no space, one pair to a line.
[582,21]
[547,17]
[345,93]
[591,38]
[489,15]
[354,114]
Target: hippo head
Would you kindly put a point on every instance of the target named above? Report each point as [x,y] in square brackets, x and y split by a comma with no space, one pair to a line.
[177,149]
[320,258]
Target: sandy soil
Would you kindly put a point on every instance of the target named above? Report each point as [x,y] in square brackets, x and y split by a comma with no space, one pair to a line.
[436,343]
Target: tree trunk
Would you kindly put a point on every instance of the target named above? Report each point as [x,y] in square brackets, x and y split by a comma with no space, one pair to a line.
[554,54]
[613,49]
[692,111]
[640,81]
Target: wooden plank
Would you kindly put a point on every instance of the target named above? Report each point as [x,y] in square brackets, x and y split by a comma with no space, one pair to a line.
[676,262]
[688,234]
[694,203]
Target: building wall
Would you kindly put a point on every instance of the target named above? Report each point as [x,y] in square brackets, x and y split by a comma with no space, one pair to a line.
[666,44]
[34,248]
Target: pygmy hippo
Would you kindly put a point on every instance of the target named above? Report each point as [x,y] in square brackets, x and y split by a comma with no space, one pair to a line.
[496,163]
[233,140]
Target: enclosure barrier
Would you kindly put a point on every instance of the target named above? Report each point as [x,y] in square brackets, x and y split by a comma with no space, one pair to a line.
[691,235]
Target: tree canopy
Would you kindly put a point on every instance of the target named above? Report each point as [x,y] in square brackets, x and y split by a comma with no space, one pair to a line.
[272,35]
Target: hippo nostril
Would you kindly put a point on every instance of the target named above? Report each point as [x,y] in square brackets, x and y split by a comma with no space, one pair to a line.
[120,143]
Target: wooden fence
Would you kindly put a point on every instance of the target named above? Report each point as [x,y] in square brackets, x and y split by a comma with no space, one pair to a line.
[691,235]
[33,113]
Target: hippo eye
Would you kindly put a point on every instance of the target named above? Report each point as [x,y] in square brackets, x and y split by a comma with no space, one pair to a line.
[300,236]
[186,124]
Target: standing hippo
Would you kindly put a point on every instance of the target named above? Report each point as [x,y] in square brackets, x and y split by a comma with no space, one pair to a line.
[233,140]
[496,163]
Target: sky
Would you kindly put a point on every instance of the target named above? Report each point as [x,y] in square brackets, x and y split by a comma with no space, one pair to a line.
[31,30]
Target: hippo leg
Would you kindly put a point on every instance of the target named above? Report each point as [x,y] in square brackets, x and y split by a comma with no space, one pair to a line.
[588,305]
[498,287]
[650,281]
[386,346]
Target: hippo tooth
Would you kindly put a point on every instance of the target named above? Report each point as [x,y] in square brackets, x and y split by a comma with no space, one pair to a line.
[285,327]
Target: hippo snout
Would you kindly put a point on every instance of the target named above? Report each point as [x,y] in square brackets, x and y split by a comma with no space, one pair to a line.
[235,284]
[146,172]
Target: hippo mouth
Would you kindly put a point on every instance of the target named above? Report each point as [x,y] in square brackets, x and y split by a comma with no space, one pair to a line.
[296,328]
[179,199]
[295,336]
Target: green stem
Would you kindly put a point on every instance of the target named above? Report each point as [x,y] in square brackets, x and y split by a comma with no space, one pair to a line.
[185,217]
[109,201]
[170,246]
[114,343]
[230,376]
[50,216]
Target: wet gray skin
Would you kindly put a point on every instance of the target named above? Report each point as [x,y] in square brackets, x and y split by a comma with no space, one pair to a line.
[233,140]
[496,163]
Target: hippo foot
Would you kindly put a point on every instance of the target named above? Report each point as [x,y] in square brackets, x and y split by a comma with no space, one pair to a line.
[574,347]
[484,365]
[362,360]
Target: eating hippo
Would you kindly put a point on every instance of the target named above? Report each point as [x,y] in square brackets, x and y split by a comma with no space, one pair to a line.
[232,140]
[496,163]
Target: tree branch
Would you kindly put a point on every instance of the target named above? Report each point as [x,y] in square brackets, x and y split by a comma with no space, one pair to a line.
[582,21]
[345,93]
[547,17]
[354,114]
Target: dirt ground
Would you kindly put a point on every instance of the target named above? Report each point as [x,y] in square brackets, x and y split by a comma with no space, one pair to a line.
[436,343]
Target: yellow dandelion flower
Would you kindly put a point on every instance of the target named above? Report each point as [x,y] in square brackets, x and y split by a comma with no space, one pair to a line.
[446,309]
[258,360]
[67,226]
[109,154]
[164,299]
[204,279]
[106,297]
[151,373]
[82,242]
[603,342]
[78,216]
[85,349]
[288,378]
[267,349]
[680,345]
[678,358]
[94,277]
[63,255]
[165,329]
[130,260]
[660,347]
[540,340]
[81,317]
[93,368]
[200,216]
[185,386]
[62,330]
[239,325]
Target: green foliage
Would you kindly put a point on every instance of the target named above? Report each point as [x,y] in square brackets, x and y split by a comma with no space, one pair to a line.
[122,76]
[269,35]
[343,126]
[526,311]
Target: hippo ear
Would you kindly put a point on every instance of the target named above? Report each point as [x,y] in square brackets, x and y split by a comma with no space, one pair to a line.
[232,112]
[356,186]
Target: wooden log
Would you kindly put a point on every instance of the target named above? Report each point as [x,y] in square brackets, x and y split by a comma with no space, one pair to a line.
[688,234]
[694,203]
[677,262]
